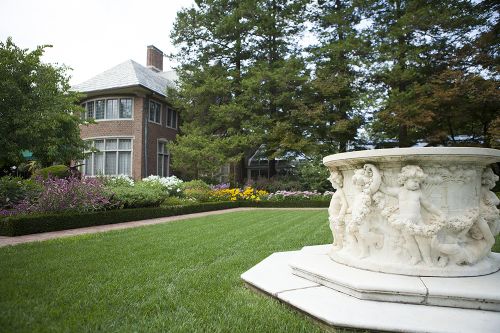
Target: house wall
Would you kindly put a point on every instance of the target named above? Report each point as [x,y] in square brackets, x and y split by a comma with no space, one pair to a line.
[142,166]
[157,132]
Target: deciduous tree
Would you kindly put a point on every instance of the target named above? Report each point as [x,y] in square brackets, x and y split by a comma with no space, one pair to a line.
[38,112]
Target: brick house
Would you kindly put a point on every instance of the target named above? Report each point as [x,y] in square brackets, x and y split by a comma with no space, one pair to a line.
[133,120]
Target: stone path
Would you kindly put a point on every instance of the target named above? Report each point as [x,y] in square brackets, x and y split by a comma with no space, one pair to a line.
[5,241]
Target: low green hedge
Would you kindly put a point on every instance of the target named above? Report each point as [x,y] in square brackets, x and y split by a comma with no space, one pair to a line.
[32,224]
[37,223]
[287,204]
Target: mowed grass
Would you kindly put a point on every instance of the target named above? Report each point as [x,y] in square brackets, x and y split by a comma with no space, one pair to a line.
[182,277]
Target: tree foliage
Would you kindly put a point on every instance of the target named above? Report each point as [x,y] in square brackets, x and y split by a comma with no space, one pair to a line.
[38,112]
[337,89]
[406,70]
[425,52]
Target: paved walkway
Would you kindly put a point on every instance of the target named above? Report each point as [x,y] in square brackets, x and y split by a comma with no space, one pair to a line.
[5,241]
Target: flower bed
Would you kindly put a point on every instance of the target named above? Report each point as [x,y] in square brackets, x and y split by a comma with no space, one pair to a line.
[299,195]
[73,203]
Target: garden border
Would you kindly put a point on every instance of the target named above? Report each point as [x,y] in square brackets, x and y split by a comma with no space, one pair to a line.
[38,223]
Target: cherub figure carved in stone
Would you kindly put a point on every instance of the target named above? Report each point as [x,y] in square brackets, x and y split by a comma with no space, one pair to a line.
[367,182]
[489,202]
[410,203]
[487,224]
[337,209]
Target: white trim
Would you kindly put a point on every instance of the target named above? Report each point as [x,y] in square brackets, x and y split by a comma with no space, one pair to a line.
[104,151]
[109,137]
[105,105]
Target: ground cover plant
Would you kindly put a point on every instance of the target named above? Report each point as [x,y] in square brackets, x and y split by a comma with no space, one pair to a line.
[180,277]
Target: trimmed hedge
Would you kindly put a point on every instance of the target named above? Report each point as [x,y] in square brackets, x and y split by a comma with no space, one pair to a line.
[37,223]
[287,204]
[32,224]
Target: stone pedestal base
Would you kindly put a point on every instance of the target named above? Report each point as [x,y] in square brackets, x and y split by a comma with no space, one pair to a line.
[339,295]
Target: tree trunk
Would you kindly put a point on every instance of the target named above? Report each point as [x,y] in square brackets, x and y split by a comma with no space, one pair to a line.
[272,168]
[403,136]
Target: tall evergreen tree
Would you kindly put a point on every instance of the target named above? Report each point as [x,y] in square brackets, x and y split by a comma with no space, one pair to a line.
[411,41]
[241,75]
[274,84]
[336,88]
[211,38]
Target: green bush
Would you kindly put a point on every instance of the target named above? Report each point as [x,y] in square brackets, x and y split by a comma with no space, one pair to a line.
[138,196]
[15,189]
[195,185]
[313,176]
[56,171]
[116,181]
[176,201]
[277,183]
[31,224]
[197,190]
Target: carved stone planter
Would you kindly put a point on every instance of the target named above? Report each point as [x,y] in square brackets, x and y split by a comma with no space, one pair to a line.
[413,230]
[415,211]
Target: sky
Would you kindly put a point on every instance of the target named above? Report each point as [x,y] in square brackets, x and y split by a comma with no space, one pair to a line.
[91,36]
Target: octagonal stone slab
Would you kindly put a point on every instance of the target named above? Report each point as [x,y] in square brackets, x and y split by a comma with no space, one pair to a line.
[274,277]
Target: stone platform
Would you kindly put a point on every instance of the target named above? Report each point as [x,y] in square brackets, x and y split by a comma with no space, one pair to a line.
[339,295]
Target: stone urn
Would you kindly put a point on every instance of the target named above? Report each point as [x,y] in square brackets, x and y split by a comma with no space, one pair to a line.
[415,211]
[412,232]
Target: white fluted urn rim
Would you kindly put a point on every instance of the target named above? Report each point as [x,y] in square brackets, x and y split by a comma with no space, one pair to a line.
[415,211]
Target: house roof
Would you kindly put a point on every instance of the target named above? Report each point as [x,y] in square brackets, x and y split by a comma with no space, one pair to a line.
[126,74]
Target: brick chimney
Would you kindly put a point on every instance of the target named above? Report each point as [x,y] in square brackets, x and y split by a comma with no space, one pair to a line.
[155,59]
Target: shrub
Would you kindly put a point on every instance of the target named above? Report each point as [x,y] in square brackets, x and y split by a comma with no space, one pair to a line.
[197,190]
[313,176]
[176,201]
[115,181]
[171,185]
[60,195]
[195,184]
[142,194]
[277,183]
[55,171]
[36,223]
[15,189]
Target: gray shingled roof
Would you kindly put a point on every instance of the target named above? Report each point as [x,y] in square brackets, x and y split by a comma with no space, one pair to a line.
[126,74]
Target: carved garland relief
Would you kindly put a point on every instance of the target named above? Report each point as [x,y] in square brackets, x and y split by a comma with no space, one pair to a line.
[421,232]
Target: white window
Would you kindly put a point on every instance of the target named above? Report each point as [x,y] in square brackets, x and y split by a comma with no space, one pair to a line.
[163,159]
[171,118]
[112,108]
[154,112]
[110,157]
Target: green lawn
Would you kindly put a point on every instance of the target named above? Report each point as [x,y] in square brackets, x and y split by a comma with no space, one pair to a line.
[181,277]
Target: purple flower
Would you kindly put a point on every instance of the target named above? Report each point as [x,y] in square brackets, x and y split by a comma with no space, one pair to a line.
[222,186]
[59,195]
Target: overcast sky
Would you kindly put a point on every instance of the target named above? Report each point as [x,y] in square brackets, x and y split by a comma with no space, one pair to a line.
[91,36]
